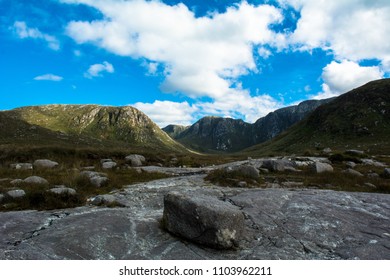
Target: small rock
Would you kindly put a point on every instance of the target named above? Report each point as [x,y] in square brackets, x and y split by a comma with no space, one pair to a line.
[353,172]
[45,163]
[16,182]
[373,162]
[355,152]
[63,190]
[369,185]
[203,219]
[109,164]
[1,197]
[350,164]
[386,172]
[327,150]
[320,167]
[373,175]
[104,199]
[242,184]
[16,193]
[21,166]
[277,164]
[96,178]
[105,160]
[36,180]
[135,160]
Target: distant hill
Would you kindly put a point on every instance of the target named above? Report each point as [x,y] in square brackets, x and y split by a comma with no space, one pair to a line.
[88,126]
[358,119]
[217,134]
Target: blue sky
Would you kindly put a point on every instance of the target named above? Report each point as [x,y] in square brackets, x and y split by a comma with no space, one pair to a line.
[178,60]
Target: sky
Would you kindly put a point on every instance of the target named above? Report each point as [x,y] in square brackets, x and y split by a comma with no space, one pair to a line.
[180,60]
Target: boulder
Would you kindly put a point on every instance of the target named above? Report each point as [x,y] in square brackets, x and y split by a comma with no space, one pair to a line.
[248,171]
[373,175]
[45,163]
[16,182]
[353,172]
[369,185]
[1,197]
[203,219]
[135,160]
[96,178]
[105,199]
[386,172]
[16,193]
[109,164]
[63,190]
[21,166]
[320,167]
[277,164]
[327,150]
[350,164]
[36,180]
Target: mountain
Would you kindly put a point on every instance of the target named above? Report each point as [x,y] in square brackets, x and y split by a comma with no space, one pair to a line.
[86,126]
[173,130]
[211,134]
[358,119]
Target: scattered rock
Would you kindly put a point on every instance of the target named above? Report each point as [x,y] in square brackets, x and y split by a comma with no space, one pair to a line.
[373,162]
[354,152]
[109,164]
[16,182]
[386,172]
[21,166]
[369,185]
[242,184]
[16,193]
[105,199]
[248,171]
[45,163]
[36,180]
[320,167]
[327,150]
[353,172]
[277,164]
[350,164]
[373,175]
[135,160]
[63,190]
[96,178]
[203,219]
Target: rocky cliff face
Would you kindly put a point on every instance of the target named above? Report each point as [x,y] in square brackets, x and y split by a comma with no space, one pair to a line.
[230,135]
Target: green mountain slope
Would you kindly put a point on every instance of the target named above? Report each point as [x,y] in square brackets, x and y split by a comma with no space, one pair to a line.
[358,119]
[87,125]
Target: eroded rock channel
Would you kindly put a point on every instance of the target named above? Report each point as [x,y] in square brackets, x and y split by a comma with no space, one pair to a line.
[279,224]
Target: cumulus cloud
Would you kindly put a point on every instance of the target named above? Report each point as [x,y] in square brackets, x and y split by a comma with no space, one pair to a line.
[198,56]
[23,31]
[340,77]
[96,70]
[164,113]
[351,29]
[49,77]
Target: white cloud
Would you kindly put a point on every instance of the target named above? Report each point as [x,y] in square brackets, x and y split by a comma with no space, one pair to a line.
[96,70]
[23,31]
[199,56]
[164,113]
[49,77]
[351,29]
[340,77]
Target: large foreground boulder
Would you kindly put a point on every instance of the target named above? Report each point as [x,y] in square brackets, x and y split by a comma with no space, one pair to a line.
[204,220]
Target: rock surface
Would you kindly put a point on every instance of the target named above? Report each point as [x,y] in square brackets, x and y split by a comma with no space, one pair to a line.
[279,224]
[203,219]
[45,163]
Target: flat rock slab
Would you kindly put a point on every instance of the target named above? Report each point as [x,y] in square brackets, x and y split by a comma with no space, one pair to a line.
[279,224]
